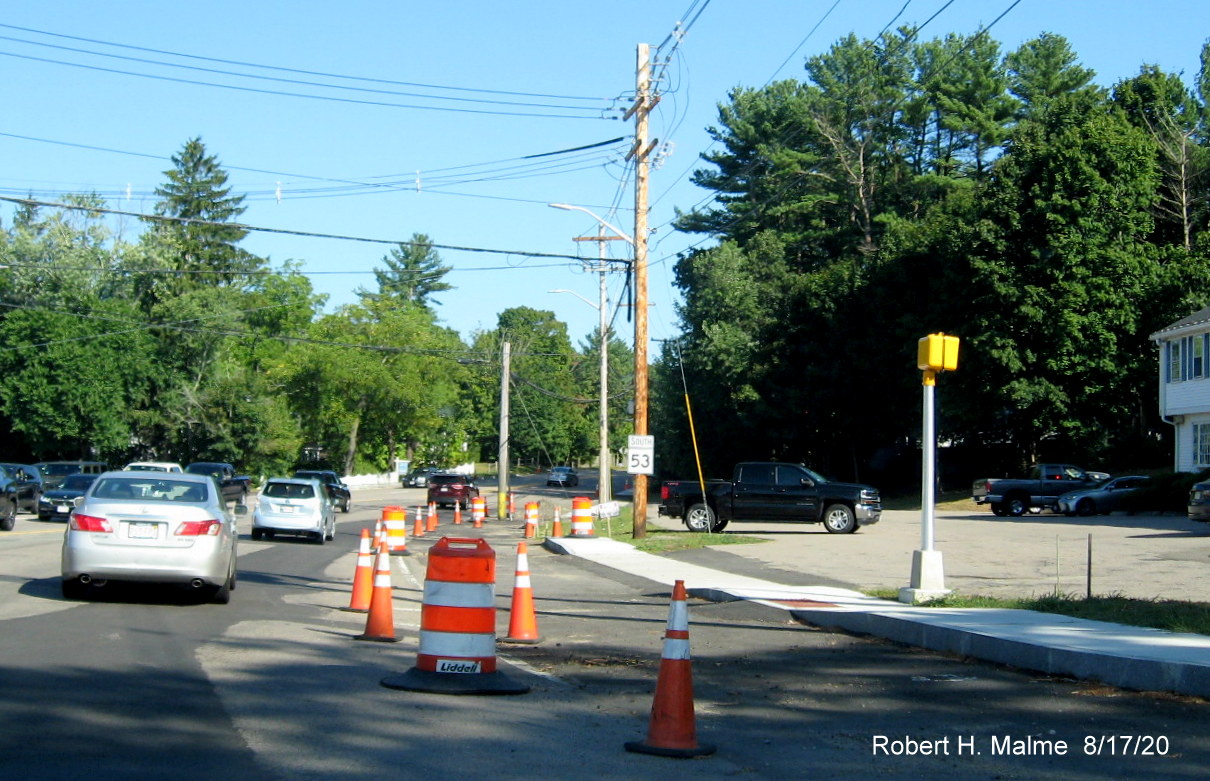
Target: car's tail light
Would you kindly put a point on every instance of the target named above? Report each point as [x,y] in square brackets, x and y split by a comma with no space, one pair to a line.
[665,492]
[208,528]
[90,523]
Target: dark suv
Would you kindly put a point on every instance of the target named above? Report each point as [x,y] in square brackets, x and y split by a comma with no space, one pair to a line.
[452,489]
[53,472]
[22,482]
[338,492]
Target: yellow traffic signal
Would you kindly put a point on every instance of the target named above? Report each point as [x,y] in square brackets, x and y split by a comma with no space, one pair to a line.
[937,352]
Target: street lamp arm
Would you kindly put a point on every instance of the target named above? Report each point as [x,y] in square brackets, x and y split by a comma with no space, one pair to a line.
[596,217]
[577,295]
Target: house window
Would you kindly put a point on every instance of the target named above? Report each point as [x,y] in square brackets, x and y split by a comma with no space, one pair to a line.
[1197,357]
[1201,444]
[1174,361]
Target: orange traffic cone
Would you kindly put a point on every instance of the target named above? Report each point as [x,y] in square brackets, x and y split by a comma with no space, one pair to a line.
[523,621]
[380,621]
[363,576]
[556,529]
[418,527]
[457,513]
[671,732]
[432,527]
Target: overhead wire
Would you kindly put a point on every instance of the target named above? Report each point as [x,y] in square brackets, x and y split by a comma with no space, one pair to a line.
[329,98]
[308,234]
[298,70]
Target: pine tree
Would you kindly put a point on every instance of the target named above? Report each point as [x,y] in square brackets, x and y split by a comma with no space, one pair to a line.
[200,233]
[413,274]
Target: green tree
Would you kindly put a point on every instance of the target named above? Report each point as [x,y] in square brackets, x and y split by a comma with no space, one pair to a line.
[413,273]
[200,234]
[1162,105]
[1055,338]
[547,424]
[1044,69]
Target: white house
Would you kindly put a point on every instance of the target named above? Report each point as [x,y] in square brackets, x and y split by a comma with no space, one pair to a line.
[1185,388]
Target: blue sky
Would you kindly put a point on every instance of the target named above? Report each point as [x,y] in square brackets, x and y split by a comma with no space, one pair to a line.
[381,163]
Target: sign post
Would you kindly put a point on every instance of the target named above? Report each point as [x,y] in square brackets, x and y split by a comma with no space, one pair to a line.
[935,353]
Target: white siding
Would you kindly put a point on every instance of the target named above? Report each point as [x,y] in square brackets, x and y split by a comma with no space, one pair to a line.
[1184,403]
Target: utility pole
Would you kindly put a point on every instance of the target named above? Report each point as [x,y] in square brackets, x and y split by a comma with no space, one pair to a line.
[604,460]
[644,101]
[502,457]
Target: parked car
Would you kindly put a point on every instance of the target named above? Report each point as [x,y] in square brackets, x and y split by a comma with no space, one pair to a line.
[452,489]
[23,483]
[1104,498]
[418,478]
[234,487]
[337,490]
[1199,502]
[53,472]
[1039,491]
[154,466]
[290,505]
[562,476]
[57,503]
[148,527]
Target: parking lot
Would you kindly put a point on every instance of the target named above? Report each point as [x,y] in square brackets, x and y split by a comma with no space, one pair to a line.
[1142,556]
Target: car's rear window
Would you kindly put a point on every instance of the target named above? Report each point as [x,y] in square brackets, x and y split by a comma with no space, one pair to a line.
[288,491]
[447,479]
[150,490]
[78,482]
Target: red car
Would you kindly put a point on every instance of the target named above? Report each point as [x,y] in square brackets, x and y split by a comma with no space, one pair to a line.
[452,489]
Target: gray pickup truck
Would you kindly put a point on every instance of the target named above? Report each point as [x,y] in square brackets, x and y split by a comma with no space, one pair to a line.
[771,491]
[1040,491]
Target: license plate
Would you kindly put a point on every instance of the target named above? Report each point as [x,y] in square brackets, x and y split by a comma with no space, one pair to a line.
[63,508]
[286,508]
[139,530]
[445,489]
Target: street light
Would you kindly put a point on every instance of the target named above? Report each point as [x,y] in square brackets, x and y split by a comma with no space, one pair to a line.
[604,461]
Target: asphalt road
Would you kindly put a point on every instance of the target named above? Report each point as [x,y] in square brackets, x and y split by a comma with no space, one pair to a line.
[145,684]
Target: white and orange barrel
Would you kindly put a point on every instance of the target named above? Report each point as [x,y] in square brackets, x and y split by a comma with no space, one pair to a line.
[581,517]
[478,511]
[457,652]
[395,524]
[531,520]
[458,612]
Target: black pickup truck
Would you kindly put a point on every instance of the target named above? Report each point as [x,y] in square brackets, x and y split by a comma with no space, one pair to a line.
[235,487]
[771,491]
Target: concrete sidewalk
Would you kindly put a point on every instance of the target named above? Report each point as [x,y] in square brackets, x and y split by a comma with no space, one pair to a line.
[1131,657]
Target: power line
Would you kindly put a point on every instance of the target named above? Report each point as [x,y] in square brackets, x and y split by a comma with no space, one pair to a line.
[283,93]
[307,234]
[300,82]
[298,70]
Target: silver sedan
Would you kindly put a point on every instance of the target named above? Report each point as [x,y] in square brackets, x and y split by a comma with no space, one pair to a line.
[151,527]
[1105,498]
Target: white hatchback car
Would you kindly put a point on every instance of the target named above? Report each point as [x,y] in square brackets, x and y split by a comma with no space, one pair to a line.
[151,527]
[154,466]
[294,505]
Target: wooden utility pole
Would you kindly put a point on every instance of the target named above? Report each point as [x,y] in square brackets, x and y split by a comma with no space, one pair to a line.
[502,466]
[644,101]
